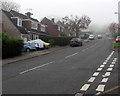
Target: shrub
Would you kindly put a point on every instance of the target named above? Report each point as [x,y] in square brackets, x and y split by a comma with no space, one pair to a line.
[60,41]
[11,46]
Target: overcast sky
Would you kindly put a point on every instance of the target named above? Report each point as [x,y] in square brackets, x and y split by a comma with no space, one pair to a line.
[101,12]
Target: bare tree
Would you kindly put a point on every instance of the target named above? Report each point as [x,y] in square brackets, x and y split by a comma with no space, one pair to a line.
[113,28]
[9,5]
[74,24]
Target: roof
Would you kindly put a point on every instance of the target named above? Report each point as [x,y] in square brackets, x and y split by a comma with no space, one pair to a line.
[16,14]
[21,29]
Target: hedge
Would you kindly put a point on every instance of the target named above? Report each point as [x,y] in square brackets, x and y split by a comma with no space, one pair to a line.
[11,46]
[60,41]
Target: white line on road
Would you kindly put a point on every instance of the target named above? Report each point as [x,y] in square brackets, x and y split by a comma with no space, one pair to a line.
[104,80]
[102,66]
[71,55]
[96,74]
[36,67]
[99,69]
[113,62]
[111,65]
[91,79]
[104,63]
[109,69]
[100,88]
[107,74]
[85,87]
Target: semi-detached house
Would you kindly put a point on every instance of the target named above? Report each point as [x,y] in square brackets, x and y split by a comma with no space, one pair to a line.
[23,26]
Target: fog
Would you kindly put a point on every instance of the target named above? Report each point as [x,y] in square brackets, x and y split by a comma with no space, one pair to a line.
[101,12]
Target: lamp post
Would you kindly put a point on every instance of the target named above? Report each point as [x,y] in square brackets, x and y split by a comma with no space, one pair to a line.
[118,13]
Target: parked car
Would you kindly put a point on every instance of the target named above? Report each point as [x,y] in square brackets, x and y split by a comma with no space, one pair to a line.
[117,39]
[76,42]
[40,44]
[99,36]
[29,46]
[91,37]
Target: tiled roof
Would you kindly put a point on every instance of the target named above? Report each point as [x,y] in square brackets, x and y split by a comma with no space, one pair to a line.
[16,14]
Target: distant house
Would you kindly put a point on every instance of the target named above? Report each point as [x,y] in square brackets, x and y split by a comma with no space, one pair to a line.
[53,28]
[23,26]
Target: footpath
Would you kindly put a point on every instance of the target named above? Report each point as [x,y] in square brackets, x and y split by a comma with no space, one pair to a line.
[31,55]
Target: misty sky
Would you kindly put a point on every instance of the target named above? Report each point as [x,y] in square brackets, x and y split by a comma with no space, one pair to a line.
[101,12]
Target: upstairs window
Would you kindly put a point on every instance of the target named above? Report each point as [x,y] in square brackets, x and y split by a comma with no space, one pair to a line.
[19,22]
[43,28]
[34,25]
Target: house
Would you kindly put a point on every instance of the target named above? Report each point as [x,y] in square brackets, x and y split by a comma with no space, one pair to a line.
[53,28]
[23,26]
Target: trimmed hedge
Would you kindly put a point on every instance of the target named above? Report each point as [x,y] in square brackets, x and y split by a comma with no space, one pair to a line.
[60,41]
[11,46]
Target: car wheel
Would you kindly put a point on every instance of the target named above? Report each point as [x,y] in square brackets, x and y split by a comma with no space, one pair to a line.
[27,50]
[81,44]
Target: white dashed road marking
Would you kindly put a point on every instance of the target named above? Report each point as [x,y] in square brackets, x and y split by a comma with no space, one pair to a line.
[96,74]
[85,87]
[100,88]
[109,69]
[71,55]
[104,80]
[111,65]
[35,68]
[99,69]
[102,66]
[107,73]
[91,79]
[104,63]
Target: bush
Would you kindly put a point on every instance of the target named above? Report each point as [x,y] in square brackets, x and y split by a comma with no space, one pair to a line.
[11,46]
[60,41]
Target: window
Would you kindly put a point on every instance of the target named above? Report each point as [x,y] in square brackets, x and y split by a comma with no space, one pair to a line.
[34,25]
[43,28]
[19,22]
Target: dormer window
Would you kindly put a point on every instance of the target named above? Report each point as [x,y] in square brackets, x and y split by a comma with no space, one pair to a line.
[34,25]
[19,22]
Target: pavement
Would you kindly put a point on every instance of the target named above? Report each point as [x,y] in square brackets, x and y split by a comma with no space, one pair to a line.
[31,55]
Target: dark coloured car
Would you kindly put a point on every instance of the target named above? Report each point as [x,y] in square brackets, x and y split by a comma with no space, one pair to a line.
[117,39]
[76,42]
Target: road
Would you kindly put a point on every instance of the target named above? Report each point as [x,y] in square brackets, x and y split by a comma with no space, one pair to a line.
[90,69]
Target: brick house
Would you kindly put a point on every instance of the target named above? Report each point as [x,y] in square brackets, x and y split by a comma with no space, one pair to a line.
[53,28]
[23,26]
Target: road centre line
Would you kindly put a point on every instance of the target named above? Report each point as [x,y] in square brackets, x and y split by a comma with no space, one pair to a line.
[36,67]
[85,87]
[100,88]
[71,55]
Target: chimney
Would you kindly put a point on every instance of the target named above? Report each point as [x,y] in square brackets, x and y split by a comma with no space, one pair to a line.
[53,20]
[28,14]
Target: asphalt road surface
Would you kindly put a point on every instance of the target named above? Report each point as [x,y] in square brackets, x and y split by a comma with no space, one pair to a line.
[90,69]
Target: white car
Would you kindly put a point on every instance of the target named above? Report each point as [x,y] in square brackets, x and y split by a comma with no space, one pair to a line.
[40,43]
[91,37]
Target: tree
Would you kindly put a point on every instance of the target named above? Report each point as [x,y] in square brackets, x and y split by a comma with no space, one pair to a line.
[113,28]
[74,24]
[9,5]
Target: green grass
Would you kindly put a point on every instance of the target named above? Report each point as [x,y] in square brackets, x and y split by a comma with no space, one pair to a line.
[117,45]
